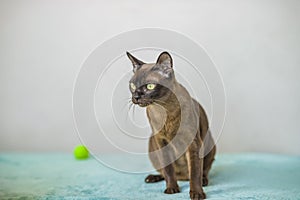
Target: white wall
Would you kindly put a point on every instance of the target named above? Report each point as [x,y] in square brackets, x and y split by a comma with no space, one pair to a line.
[255,45]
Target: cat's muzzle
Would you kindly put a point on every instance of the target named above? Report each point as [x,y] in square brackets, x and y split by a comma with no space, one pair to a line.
[142,102]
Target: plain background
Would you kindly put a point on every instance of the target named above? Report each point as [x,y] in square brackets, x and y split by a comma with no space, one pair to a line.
[255,45]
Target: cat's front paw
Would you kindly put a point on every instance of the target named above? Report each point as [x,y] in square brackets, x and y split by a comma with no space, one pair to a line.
[172,190]
[153,178]
[197,195]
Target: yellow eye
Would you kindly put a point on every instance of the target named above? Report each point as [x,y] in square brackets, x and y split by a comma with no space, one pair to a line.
[132,86]
[150,86]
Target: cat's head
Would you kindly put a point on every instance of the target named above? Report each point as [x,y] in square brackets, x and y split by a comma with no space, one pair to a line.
[151,82]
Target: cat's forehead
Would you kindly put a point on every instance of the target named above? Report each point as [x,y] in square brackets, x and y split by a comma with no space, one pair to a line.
[145,75]
[147,67]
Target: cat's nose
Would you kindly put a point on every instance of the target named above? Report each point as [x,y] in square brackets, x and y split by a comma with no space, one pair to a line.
[136,97]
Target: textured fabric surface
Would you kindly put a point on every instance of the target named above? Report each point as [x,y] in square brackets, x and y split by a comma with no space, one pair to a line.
[60,176]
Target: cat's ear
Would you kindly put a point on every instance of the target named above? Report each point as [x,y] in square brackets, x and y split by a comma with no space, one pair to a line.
[165,60]
[165,64]
[136,63]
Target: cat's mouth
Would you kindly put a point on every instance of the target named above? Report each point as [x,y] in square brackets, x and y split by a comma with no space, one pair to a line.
[142,102]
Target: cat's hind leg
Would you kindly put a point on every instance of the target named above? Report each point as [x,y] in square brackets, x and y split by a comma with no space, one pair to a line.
[208,160]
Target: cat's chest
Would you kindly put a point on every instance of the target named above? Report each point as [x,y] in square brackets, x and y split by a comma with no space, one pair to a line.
[163,122]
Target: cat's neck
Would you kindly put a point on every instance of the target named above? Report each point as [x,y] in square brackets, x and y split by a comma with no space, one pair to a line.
[171,103]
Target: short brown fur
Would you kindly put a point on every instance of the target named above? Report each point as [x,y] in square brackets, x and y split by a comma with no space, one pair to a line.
[177,113]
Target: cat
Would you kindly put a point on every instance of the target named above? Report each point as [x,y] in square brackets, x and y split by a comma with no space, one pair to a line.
[179,124]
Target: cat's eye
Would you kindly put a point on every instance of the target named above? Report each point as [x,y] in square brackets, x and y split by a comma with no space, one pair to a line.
[151,86]
[132,86]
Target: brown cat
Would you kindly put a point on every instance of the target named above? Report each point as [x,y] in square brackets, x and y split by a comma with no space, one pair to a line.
[181,146]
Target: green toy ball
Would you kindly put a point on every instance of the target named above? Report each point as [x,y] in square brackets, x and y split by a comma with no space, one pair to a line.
[81,152]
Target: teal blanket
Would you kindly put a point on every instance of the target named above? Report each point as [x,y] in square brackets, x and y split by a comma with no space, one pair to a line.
[60,176]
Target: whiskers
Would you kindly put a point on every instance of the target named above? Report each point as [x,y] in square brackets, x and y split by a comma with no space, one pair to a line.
[131,107]
[128,102]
